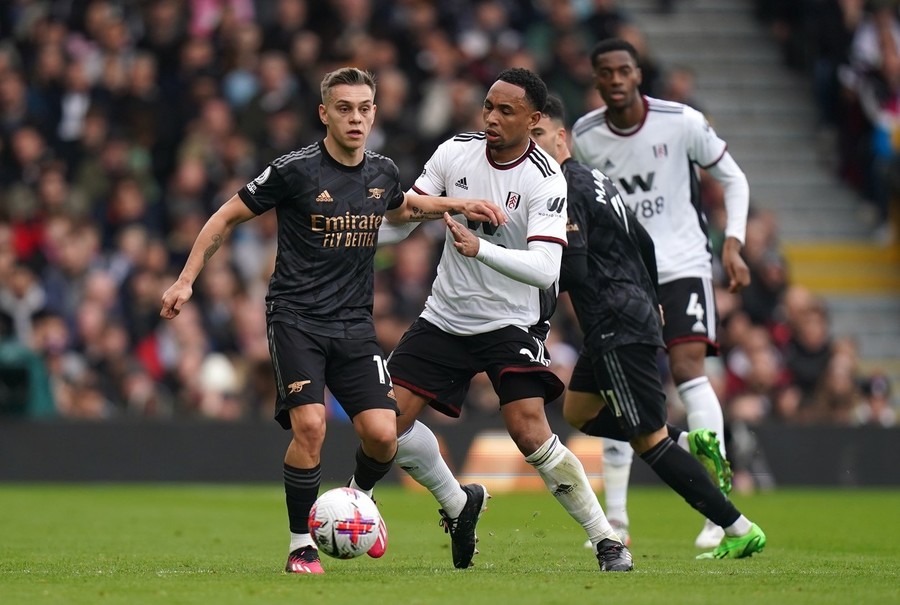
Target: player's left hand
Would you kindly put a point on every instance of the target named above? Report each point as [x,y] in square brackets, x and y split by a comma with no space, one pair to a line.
[463,240]
[735,267]
[483,211]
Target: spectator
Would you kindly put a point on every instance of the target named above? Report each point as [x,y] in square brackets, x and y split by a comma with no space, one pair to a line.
[679,85]
[808,353]
[605,20]
[874,407]
[277,90]
[768,271]
[394,134]
[22,297]
[291,16]
[560,18]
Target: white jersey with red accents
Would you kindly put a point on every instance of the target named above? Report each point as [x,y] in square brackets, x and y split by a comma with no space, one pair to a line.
[655,167]
[468,297]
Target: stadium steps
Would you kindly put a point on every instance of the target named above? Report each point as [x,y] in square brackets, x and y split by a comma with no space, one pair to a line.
[762,109]
[767,115]
[846,269]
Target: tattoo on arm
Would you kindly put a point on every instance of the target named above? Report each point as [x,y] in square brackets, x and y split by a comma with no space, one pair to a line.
[421,215]
[216,242]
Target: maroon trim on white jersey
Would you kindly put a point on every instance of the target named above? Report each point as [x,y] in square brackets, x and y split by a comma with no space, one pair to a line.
[615,130]
[545,238]
[487,153]
[419,191]
[718,159]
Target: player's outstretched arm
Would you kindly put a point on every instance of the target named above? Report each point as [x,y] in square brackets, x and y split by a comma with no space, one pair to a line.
[538,266]
[211,236]
[417,208]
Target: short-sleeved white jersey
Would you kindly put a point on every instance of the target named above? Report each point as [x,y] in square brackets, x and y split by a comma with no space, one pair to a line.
[468,297]
[655,168]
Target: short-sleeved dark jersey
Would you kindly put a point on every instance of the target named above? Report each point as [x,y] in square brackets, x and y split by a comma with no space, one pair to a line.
[328,219]
[616,304]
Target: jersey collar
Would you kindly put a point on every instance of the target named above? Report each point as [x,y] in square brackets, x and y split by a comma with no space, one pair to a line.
[514,163]
[337,164]
[631,131]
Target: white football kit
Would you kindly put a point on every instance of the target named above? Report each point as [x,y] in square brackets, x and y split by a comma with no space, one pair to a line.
[469,297]
[655,168]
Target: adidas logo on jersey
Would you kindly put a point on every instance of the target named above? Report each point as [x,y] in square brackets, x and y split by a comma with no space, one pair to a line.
[699,327]
[324,197]
[607,165]
[461,183]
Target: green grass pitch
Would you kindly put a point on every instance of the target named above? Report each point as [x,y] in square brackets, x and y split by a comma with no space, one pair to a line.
[212,544]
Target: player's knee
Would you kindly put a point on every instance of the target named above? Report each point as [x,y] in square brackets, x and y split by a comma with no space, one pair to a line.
[528,435]
[308,428]
[380,442]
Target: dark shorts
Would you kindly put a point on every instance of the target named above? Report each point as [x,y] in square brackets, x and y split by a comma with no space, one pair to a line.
[439,366]
[628,380]
[689,305]
[354,370]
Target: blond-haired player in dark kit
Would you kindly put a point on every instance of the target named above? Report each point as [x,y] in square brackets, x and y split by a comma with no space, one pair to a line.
[653,151]
[609,271]
[331,199]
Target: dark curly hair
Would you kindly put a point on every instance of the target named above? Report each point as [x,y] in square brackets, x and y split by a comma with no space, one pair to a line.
[554,109]
[530,82]
[613,44]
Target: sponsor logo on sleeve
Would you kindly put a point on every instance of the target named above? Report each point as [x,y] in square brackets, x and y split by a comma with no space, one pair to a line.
[262,178]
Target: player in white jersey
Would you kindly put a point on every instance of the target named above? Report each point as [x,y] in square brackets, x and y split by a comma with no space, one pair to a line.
[472,297]
[494,292]
[653,150]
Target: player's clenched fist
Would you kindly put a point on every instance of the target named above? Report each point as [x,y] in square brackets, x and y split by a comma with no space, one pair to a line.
[173,299]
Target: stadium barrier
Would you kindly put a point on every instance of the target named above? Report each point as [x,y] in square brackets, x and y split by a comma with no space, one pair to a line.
[197,451]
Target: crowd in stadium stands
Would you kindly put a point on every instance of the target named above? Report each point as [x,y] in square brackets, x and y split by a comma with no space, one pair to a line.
[851,50]
[124,124]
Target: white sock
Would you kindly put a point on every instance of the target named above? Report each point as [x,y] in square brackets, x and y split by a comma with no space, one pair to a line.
[739,527]
[300,540]
[355,485]
[617,457]
[419,455]
[703,408]
[564,476]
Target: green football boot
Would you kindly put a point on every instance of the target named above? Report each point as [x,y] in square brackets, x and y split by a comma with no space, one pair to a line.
[738,547]
[705,447]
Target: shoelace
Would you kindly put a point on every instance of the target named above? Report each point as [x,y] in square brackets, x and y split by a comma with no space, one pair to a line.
[307,555]
[611,552]
[447,523]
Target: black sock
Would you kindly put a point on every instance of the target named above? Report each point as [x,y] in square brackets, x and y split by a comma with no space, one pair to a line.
[686,475]
[368,470]
[301,488]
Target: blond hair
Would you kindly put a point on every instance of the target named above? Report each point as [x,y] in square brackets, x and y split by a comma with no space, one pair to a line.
[346,75]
